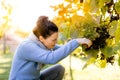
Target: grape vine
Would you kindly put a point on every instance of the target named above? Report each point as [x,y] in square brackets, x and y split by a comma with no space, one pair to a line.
[99,22]
[103,31]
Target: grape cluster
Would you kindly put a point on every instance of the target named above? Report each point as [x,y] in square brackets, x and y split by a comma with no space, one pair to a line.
[111,8]
[110,59]
[100,41]
[114,17]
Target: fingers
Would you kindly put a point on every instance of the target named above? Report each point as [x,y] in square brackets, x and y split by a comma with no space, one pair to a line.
[88,42]
[84,41]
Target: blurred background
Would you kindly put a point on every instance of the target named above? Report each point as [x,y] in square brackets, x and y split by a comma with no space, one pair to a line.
[18,17]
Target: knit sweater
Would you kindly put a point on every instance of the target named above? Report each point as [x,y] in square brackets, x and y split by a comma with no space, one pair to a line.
[31,54]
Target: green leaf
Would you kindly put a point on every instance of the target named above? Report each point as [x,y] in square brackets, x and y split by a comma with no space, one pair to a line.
[108,51]
[102,2]
[116,48]
[103,10]
[114,25]
[117,7]
[90,61]
[117,34]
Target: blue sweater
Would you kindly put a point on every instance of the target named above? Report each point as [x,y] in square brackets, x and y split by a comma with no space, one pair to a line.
[31,54]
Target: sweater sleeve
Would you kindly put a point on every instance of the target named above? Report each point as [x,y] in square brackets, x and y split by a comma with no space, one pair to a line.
[32,52]
[57,46]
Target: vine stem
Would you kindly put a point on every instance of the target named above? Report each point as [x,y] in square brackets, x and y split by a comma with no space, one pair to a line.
[70,67]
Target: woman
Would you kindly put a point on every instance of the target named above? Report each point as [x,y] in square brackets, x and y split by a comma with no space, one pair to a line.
[40,48]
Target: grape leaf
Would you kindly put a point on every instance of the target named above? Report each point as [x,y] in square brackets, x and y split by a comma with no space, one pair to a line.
[119,61]
[103,10]
[116,48]
[114,25]
[117,7]
[117,34]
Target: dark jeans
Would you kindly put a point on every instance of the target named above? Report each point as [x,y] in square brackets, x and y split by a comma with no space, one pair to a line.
[55,72]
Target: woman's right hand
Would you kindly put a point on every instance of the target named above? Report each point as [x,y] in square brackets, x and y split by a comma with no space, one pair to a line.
[84,41]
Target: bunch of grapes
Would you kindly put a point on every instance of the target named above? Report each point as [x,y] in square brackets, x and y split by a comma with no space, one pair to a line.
[100,41]
[109,5]
[111,9]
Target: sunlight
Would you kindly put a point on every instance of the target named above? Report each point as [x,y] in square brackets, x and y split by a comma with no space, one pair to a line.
[80,12]
[26,12]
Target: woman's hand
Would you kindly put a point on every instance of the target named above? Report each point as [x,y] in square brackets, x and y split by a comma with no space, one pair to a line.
[84,41]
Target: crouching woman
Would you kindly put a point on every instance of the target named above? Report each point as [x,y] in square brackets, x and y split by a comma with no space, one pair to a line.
[39,49]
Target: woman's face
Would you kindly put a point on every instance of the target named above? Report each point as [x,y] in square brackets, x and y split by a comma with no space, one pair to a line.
[50,41]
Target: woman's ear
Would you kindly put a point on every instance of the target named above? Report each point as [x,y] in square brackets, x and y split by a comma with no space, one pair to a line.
[41,38]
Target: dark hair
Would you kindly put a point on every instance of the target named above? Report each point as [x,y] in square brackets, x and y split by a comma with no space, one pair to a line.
[44,27]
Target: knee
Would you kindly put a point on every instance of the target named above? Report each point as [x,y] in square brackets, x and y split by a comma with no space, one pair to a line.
[60,68]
